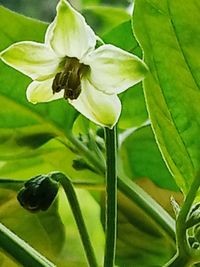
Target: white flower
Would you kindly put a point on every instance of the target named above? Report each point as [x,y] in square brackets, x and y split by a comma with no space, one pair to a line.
[68,65]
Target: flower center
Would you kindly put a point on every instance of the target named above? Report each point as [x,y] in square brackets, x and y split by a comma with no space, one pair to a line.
[69,79]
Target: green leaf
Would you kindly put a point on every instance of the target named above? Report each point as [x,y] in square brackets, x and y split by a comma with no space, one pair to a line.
[21,28]
[141,158]
[18,141]
[139,242]
[90,2]
[103,17]
[134,111]
[122,36]
[133,105]
[35,228]
[72,254]
[38,229]
[169,34]
[49,157]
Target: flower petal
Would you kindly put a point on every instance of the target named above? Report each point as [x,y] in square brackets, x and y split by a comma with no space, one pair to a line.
[33,59]
[114,70]
[49,33]
[42,92]
[70,35]
[98,107]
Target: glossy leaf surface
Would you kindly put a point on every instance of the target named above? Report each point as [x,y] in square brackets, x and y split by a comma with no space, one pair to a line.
[169,35]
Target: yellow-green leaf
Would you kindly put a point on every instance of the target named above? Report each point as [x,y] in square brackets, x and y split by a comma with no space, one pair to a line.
[169,34]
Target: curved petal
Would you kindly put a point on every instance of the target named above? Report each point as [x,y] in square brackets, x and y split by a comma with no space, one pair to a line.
[33,59]
[114,70]
[98,107]
[69,35]
[38,92]
[49,33]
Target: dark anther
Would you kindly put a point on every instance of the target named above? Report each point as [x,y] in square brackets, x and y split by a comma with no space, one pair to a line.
[72,93]
[69,79]
[56,83]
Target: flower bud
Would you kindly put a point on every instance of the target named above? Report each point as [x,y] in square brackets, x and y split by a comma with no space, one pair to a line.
[38,193]
[80,164]
[175,205]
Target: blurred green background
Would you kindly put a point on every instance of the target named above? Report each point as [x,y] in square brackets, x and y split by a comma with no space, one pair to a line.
[45,10]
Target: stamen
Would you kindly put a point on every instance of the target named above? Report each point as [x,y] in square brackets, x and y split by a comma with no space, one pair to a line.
[56,84]
[69,79]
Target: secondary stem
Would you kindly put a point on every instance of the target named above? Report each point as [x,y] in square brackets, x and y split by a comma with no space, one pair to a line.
[20,250]
[111,197]
[133,192]
[178,261]
[87,153]
[185,254]
[182,244]
[74,204]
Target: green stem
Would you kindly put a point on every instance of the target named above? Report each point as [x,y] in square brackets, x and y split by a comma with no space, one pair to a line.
[111,198]
[74,204]
[185,254]
[182,244]
[11,184]
[134,193]
[178,261]
[20,250]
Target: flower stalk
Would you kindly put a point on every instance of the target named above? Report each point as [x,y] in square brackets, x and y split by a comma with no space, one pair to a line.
[111,197]
[74,204]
